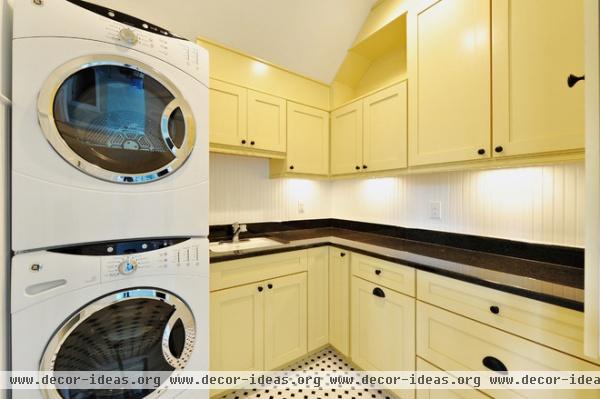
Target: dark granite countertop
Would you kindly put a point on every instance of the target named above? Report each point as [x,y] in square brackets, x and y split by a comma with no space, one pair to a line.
[554,283]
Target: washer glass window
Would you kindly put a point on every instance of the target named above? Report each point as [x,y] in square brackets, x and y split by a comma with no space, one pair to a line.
[142,330]
[116,120]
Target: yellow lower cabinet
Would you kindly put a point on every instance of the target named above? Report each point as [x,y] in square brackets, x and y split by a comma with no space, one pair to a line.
[383,329]
[285,320]
[422,365]
[339,300]
[236,328]
[318,297]
[453,342]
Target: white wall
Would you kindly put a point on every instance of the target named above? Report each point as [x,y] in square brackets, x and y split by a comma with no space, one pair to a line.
[538,204]
[241,191]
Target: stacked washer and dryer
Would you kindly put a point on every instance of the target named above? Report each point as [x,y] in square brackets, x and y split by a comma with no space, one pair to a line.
[109,197]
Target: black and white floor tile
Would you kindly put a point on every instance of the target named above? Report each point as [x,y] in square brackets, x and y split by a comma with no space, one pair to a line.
[327,360]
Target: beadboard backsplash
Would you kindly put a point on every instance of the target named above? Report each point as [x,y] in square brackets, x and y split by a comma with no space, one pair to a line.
[537,204]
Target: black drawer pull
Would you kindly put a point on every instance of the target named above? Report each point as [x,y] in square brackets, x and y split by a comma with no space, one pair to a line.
[260,289]
[269,286]
[378,292]
[494,309]
[572,79]
[342,254]
[494,364]
[378,272]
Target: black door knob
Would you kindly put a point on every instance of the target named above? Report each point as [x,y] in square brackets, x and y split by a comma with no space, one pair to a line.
[243,141]
[481,151]
[342,254]
[252,143]
[357,167]
[494,364]
[494,309]
[364,166]
[499,149]
[269,286]
[292,167]
[572,79]
[378,272]
[260,289]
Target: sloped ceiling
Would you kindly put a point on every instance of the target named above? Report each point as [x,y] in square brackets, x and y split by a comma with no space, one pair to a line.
[310,37]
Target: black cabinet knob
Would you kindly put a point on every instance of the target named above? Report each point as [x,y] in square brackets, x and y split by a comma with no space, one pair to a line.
[364,166]
[378,272]
[494,364]
[342,254]
[252,143]
[572,79]
[291,167]
[357,167]
[481,151]
[260,289]
[243,141]
[269,286]
[494,309]
[378,292]
[499,149]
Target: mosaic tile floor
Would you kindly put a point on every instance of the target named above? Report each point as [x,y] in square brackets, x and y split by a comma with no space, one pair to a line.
[327,359]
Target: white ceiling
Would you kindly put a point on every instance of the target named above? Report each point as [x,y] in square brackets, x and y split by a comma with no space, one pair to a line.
[307,36]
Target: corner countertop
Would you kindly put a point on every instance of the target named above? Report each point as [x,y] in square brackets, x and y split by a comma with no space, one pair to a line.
[548,282]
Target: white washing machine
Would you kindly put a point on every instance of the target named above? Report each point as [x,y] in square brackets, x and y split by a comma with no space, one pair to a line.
[122,306]
[110,128]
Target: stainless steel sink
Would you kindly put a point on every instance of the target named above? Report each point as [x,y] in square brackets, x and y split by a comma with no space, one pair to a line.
[250,243]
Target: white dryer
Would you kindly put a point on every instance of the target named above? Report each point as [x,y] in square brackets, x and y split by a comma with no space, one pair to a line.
[144,308]
[110,128]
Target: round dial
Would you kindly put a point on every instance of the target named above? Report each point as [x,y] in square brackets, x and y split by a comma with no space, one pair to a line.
[128,36]
[128,266]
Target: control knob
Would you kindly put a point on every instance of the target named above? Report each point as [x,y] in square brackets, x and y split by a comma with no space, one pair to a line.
[128,266]
[128,36]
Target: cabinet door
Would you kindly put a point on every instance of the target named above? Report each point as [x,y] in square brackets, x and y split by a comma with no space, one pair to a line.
[346,139]
[383,328]
[266,122]
[339,300]
[227,113]
[307,140]
[385,129]
[318,297]
[236,328]
[449,61]
[536,45]
[285,320]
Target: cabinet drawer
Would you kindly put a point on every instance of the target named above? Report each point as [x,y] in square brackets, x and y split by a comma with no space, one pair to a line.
[547,324]
[453,342]
[248,270]
[391,275]
[422,365]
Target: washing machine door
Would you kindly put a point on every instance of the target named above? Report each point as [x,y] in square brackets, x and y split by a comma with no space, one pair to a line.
[116,119]
[137,330]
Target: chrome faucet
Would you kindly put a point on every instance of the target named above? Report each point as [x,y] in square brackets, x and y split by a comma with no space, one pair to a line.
[237,229]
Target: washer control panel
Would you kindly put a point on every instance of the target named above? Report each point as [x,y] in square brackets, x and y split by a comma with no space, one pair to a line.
[187,257]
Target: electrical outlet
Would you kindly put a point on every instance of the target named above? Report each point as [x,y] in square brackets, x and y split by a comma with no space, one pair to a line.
[300,207]
[435,210]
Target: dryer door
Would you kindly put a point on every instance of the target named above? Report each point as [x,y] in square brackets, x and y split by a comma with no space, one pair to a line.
[134,330]
[116,119]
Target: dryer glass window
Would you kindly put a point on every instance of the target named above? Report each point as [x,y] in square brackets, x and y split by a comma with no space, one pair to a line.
[140,330]
[122,120]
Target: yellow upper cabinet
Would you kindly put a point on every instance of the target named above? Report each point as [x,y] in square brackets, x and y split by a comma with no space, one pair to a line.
[308,140]
[346,139]
[385,129]
[536,45]
[266,122]
[228,114]
[449,64]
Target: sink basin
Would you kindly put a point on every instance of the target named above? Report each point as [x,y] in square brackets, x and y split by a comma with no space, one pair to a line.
[251,243]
